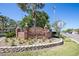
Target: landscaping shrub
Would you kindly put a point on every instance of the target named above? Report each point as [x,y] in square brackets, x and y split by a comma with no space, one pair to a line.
[13,43]
[10,34]
[6,40]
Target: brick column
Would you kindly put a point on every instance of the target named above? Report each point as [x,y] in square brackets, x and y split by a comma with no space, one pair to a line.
[45,32]
[26,31]
[17,30]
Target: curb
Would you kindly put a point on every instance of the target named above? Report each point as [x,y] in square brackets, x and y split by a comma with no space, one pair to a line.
[74,40]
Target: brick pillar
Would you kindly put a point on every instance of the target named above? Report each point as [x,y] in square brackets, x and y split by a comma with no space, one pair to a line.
[17,30]
[26,33]
[45,32]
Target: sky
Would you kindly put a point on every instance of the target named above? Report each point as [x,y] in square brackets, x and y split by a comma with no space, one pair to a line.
[67,12]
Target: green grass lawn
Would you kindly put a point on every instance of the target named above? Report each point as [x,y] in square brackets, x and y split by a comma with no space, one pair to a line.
[69,48]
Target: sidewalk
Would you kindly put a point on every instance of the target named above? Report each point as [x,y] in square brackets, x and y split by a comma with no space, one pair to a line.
[73,37]
[2,38]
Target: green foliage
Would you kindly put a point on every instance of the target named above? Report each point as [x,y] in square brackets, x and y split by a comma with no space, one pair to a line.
[57,29]
[71,30]
[41,20]
[68,30]
[10,34]
[55,25]
[34,11]
[2,21]
[77,30]
[30,7]
[11,23]
[21,24]
[6,22]
[6,40]
[13,43]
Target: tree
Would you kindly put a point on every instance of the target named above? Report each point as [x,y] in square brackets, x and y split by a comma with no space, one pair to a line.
[41,20]
[10,23]
[6,22]
[2,22]
[21,24]
[58,25]
[31,8]
[7,26]
[68,30]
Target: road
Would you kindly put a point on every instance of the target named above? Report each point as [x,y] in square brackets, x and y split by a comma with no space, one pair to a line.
[75,37]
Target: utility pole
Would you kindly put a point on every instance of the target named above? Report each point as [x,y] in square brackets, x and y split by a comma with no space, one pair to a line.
[56,20]
[54,12]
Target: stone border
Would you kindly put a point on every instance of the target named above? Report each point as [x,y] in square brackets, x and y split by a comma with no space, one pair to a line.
[29,48]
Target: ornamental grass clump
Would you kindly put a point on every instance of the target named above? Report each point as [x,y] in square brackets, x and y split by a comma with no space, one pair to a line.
[10,34]
[13,42]
[6,40]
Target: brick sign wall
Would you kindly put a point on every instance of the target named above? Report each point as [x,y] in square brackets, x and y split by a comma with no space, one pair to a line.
[33,32]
